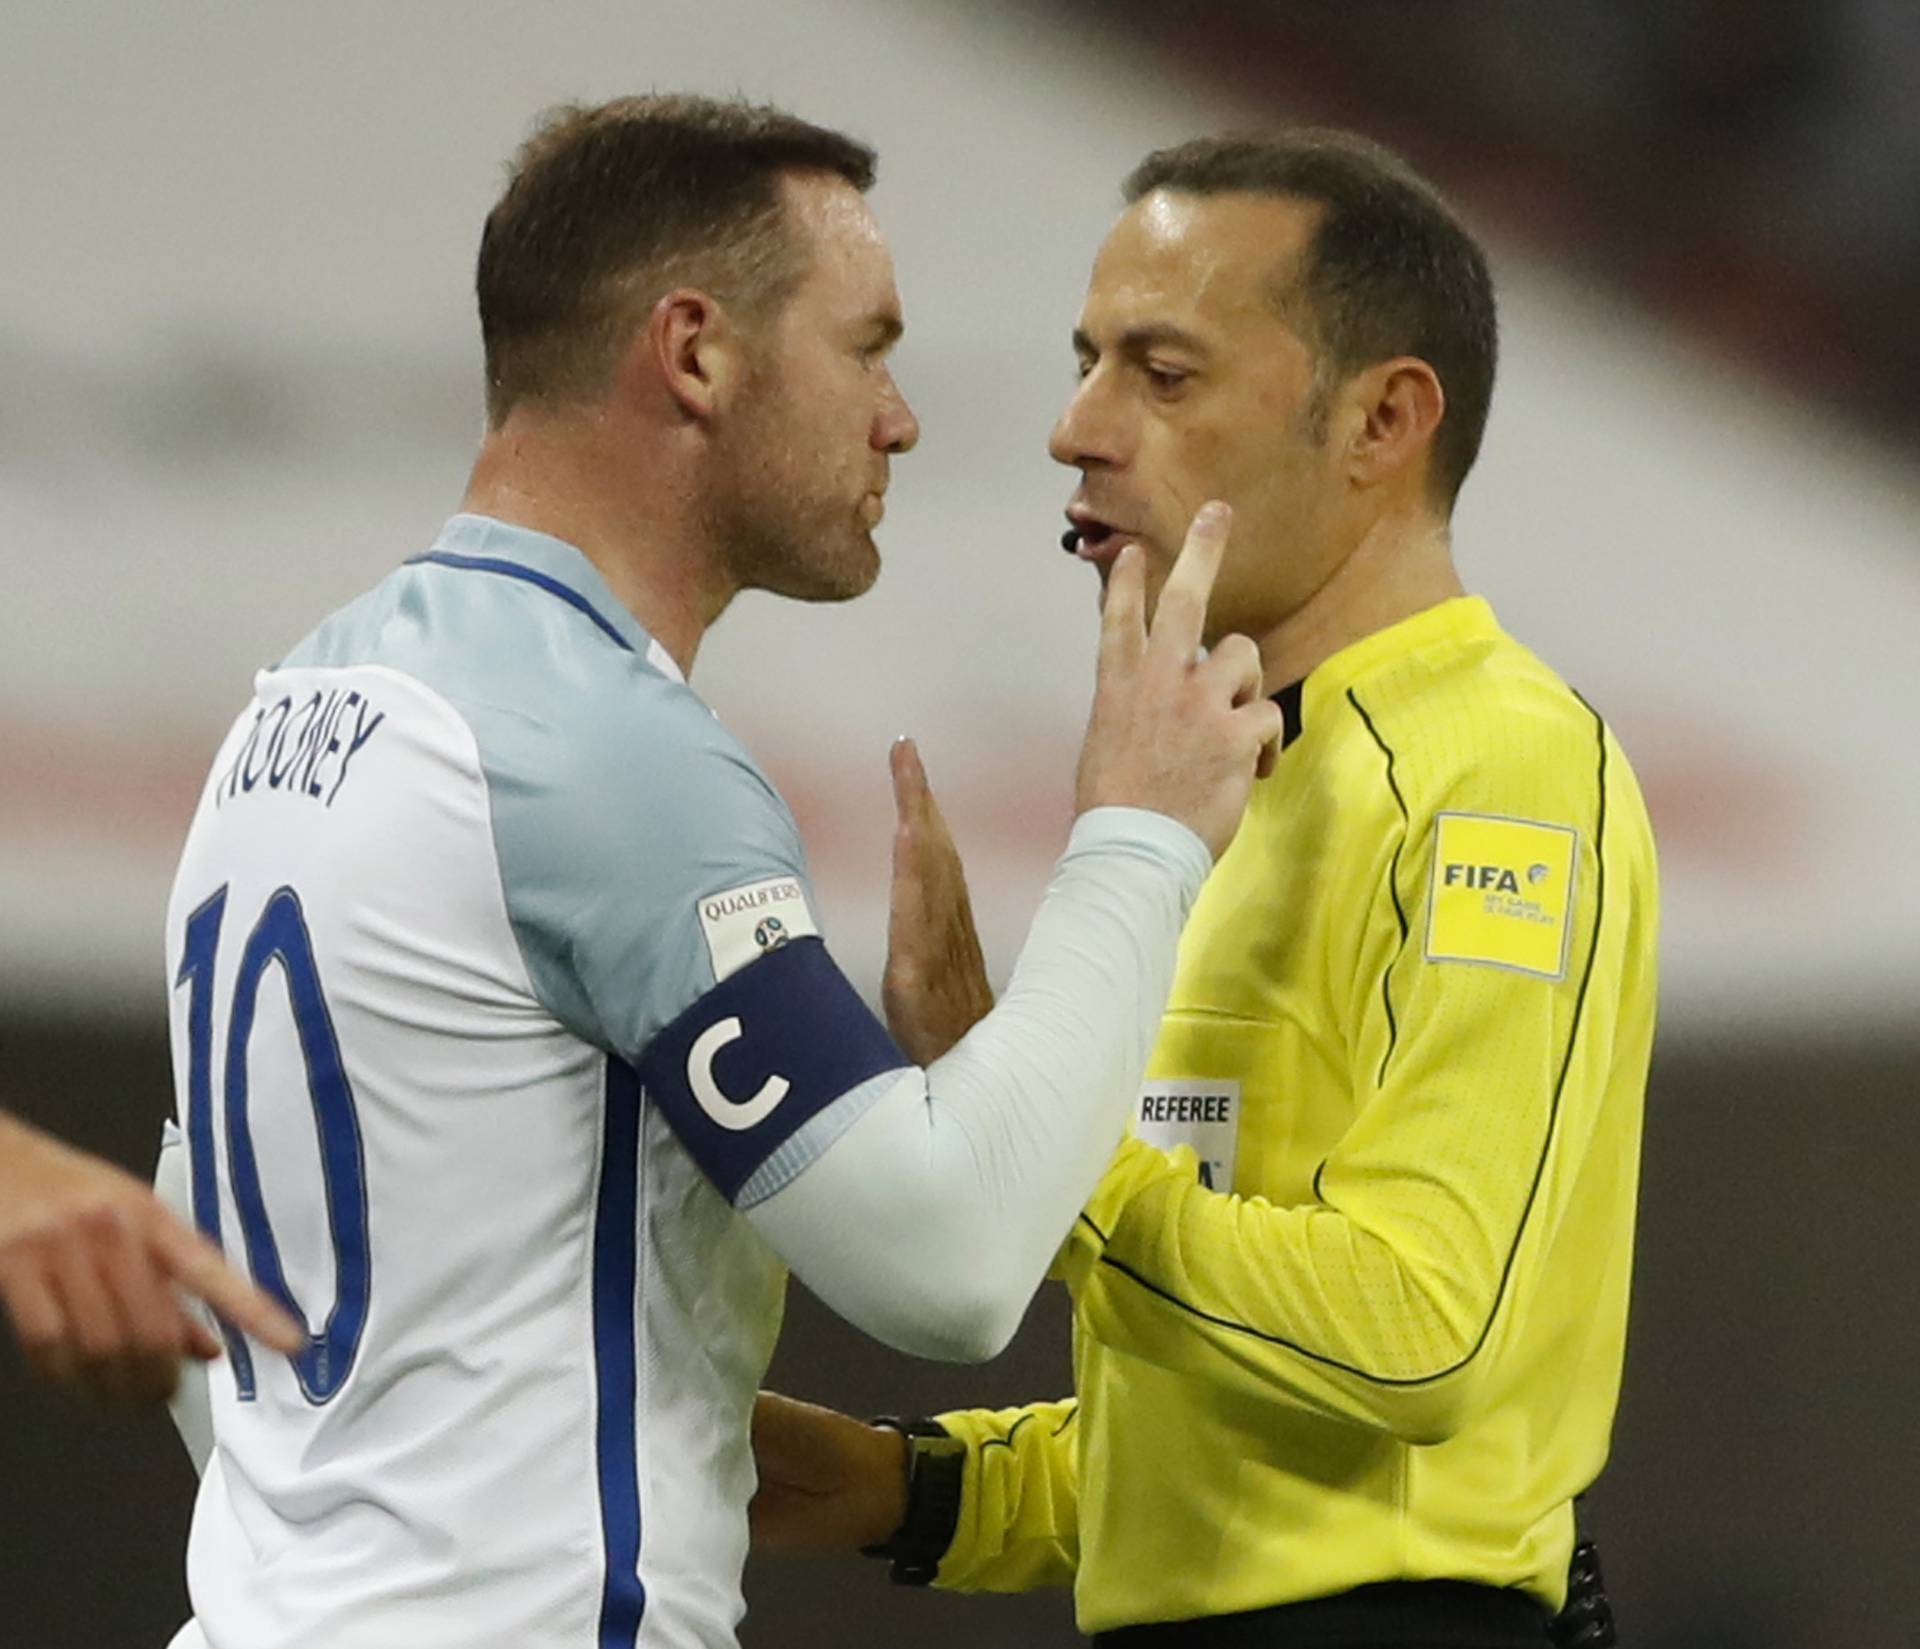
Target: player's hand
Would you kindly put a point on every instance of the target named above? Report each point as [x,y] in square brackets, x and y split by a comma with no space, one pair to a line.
[935,988]
[828,1482]
[93,1270]
[1170,730]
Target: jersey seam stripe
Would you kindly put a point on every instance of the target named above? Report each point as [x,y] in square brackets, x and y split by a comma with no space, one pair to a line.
[1393,887]
[1006,1442]
[1073,1414]
[1540,1166]
[527,575]
[615,1268]
[1222,1015]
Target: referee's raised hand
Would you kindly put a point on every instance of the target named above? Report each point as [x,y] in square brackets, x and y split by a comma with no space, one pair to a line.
[1172,730]
[95,1275]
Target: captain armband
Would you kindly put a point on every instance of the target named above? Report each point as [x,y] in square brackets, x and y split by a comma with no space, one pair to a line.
[766,1049]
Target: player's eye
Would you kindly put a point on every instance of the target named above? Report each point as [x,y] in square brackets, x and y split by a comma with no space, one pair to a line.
[1083,366]
[1166,380]
[876,347]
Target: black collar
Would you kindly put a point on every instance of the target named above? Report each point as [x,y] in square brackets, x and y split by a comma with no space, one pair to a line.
[1288,698]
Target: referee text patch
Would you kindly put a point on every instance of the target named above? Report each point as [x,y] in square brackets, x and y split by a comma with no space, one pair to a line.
[1502,893]
[1201,1112]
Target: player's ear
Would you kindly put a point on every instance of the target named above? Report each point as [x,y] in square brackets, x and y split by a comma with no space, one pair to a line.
[692,348]
[1394,408]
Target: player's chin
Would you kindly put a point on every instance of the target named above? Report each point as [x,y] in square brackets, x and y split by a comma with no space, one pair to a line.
[841,572]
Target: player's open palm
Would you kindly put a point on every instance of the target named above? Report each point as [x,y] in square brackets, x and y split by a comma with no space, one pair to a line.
[1173,731]
[935,988]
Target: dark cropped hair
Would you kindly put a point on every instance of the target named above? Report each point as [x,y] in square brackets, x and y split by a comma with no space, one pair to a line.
[608,207]
[1389,271]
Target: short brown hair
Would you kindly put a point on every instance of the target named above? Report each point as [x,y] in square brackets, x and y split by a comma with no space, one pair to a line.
[609,206]
[1389,271]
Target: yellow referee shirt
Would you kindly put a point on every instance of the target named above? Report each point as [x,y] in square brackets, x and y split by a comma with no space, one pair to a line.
[1357,1313]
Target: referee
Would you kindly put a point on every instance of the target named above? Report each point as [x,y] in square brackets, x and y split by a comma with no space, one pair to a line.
[1350,1305]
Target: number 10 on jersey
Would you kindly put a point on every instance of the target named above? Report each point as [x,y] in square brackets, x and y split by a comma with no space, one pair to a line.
[279,935]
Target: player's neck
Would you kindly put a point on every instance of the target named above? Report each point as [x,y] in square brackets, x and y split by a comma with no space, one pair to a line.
[640,531]
[1401,566]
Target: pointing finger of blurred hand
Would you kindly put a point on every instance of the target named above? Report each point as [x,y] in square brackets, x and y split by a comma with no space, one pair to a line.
[202,1271]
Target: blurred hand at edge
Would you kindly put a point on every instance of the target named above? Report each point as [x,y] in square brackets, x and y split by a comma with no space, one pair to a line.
[95,1275]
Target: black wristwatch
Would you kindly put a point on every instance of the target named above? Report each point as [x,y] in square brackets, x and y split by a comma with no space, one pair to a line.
[936,1472]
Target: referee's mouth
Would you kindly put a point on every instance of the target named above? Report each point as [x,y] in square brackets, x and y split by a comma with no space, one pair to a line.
[1092,539]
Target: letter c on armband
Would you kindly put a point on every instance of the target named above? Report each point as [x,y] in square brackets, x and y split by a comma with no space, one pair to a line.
[732,1114]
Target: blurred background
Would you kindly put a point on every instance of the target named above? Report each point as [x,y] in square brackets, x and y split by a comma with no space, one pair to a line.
[239,379]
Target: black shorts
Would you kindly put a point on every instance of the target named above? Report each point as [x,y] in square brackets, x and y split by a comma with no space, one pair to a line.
[1398,1614]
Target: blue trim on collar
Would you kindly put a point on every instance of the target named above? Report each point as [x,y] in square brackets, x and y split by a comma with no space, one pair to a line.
[490,539]
[529,575]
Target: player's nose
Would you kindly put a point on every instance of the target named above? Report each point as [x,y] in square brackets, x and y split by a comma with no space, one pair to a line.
[895,428]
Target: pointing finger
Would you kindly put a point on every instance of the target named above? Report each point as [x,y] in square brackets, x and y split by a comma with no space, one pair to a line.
[1123,614]
[1180,618]
[200,1269]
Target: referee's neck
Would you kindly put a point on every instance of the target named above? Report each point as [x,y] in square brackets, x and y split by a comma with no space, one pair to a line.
[1395,571]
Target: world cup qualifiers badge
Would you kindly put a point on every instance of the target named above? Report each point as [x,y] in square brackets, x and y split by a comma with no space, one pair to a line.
[770,934]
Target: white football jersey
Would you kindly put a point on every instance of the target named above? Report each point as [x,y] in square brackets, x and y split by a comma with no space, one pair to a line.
[460,871]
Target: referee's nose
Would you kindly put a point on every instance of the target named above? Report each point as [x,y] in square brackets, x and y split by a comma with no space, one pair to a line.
[895,429]
[1087,434]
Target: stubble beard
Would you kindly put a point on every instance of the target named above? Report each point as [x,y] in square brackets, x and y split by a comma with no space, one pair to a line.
[774,525]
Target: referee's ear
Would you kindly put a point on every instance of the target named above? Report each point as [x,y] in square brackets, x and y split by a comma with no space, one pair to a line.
[1389,414]
[691,350]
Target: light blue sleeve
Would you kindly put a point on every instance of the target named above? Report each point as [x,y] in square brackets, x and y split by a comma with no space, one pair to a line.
[618,800]
[658,893]
[653,877]
[613,829]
